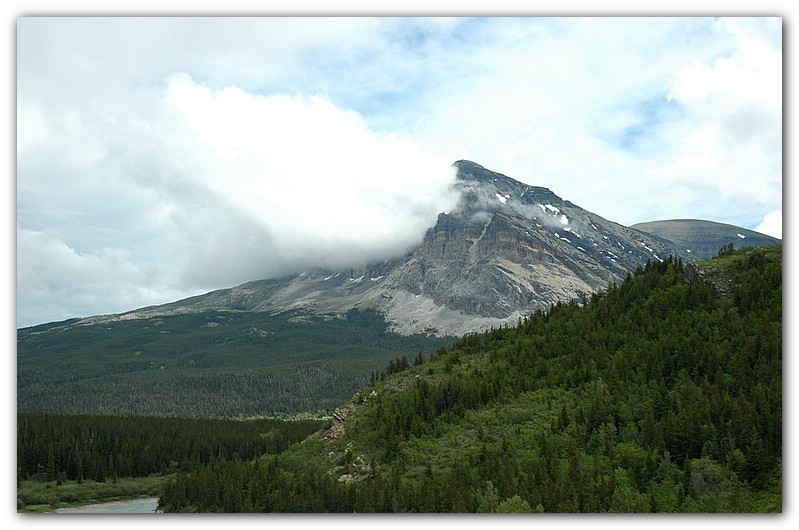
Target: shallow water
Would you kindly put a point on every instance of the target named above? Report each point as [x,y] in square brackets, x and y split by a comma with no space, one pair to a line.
[146,505]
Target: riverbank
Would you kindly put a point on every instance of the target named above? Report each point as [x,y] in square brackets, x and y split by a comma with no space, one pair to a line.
[145,505]
[36,497]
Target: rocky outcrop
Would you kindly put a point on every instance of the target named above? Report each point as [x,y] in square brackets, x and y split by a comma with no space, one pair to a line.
[339,420]
[707,274]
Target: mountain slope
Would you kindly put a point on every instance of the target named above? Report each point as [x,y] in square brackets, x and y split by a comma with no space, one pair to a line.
[662,394]
[703,239]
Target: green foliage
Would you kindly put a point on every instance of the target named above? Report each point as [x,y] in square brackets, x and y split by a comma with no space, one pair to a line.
[514,504]
[97,448]
[656,395]
[218,364]
[729,248]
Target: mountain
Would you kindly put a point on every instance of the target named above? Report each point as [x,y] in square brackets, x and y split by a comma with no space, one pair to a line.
[660,394]
[703,239]
[506,249]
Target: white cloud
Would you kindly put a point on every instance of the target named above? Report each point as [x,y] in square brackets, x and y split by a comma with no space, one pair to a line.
[732,130]
[771,224]
[327,189]
[209,188]
[55,281]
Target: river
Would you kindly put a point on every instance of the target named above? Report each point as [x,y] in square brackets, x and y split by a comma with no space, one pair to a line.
[146,505]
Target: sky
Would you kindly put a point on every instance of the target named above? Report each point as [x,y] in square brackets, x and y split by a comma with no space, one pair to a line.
[158,158]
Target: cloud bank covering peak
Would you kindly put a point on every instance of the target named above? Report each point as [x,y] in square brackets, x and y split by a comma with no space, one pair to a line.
[163,157]
[296,181]
[216,187]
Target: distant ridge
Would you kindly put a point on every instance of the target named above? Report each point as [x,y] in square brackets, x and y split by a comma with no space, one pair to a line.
[703,239]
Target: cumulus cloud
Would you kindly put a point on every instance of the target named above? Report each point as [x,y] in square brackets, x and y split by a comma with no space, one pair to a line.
[315,185]
[771,224]
[55,281]
[211,188]
[732,134]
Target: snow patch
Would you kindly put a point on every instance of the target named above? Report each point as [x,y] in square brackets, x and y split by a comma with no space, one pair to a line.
[503,199]
[741,236]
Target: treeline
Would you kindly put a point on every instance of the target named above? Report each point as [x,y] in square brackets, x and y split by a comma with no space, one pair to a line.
[656,395]
[401,364]
[66,447]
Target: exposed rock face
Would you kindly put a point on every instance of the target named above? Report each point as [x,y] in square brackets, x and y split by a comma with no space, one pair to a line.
[506,250]
[340,416]
[510,248]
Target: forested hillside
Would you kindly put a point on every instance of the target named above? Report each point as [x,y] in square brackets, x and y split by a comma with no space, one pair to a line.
[213,364]
[657,395]
[76,447]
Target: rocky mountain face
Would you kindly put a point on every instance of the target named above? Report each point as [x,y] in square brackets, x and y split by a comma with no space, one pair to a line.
[509,248]
[703,239]
[506,250]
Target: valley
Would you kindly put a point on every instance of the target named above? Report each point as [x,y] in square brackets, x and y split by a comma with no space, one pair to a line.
[501,357]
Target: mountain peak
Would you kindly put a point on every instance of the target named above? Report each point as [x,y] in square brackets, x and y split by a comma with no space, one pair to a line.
[471,171]
[467,165]
[505,188]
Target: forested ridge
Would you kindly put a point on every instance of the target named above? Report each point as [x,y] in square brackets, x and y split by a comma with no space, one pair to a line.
[659,394]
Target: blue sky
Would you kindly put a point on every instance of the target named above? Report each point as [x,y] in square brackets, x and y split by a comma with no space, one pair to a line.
[159,158]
